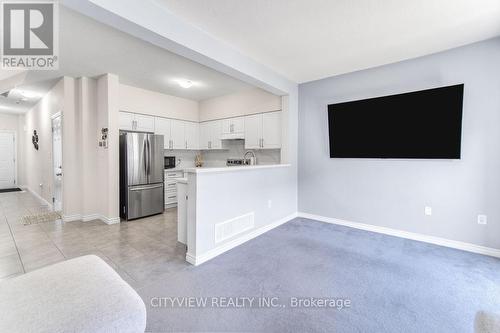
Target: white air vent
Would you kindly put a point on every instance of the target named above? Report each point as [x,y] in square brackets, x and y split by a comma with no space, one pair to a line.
[233,227]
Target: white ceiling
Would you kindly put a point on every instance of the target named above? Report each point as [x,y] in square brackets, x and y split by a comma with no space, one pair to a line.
[307,40]
[88,48]
[24,96]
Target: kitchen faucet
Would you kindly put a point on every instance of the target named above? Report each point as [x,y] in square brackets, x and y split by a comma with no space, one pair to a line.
[253,159]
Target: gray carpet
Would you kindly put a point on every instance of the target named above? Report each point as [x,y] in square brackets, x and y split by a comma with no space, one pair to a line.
[394,285]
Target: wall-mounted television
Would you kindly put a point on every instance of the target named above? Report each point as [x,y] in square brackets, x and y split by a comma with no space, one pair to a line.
[423,124]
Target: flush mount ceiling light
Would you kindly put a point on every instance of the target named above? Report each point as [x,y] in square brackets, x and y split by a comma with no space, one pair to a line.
[185,83]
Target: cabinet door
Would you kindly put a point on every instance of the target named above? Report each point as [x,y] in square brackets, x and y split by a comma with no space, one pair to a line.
[205,131]
[192,135]
[226,126]
[162,127]
[144,123]
[253,131]
[177,134]
[271,130]
[215,134]
[238,124]
[126,121]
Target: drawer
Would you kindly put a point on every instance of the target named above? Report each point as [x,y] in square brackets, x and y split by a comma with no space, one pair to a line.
[176,174]
[170,185]
[170,198]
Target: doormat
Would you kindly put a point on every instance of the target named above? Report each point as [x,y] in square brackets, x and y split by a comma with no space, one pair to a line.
[41,218]
[5,190]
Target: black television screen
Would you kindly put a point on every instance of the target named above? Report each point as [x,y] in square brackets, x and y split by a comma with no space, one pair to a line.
[424,124]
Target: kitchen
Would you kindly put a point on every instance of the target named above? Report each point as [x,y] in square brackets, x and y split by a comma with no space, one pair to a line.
[223,133]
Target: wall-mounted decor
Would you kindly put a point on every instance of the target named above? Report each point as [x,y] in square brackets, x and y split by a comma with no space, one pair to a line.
[103,140]
[34,139]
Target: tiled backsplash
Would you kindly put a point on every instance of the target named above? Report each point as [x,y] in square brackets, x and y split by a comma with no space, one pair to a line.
[217,158]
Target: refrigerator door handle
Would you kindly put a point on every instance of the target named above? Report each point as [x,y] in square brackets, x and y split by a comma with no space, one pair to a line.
[142,188]
[148,171]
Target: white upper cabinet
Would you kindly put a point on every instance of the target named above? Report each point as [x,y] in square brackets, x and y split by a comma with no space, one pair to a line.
[215,134]
[260,131]
[210,135]
[271,130]
[162,127]
[253,131]
[144,123]
[263,131]
[177,134]
[136,122]
[191,135]
[205,135]
[233,128]
[126,121]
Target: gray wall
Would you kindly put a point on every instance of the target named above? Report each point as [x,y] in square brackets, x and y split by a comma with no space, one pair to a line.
[393,193]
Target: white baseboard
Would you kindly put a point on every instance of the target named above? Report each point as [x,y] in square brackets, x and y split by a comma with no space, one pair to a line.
[197,260]
[72,218]
[36,195]
[408,235]
[110,220]
[91,217]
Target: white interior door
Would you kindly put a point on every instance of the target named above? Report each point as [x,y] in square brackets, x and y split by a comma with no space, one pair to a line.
[7,160]
[57,161]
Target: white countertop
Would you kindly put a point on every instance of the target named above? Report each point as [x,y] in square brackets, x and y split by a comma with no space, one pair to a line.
[236,168]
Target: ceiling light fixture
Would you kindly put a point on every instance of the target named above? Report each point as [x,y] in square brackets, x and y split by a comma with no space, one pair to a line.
[185,83]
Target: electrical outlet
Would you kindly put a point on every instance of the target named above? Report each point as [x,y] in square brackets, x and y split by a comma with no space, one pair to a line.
[269,203]
[482,219]
[428,211]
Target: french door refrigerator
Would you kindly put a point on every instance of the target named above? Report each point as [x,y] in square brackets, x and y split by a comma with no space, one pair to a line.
[141,175]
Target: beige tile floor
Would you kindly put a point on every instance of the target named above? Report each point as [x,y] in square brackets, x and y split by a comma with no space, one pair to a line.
[141,251]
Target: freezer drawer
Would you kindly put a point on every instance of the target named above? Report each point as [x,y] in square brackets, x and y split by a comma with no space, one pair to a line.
[145,200]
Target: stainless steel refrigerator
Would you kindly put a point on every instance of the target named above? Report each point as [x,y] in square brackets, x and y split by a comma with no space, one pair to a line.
[141,175]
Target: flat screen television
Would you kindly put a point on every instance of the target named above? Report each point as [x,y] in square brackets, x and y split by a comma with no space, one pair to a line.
[424,124]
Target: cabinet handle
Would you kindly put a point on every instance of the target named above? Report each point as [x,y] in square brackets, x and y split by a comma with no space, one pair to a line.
[231,128]
[262,143]
[209,144]
[186,144]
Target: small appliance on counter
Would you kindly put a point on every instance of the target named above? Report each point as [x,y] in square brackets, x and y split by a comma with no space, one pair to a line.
[169,162]
[237,162]
[141,175]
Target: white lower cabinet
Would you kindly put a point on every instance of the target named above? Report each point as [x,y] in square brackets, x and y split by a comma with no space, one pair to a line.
[171,187]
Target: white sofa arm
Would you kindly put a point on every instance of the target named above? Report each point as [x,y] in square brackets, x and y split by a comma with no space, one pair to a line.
[79,295]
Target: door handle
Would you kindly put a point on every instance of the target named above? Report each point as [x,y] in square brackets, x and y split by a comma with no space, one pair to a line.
[149,157]
[58,174]
[145,188]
